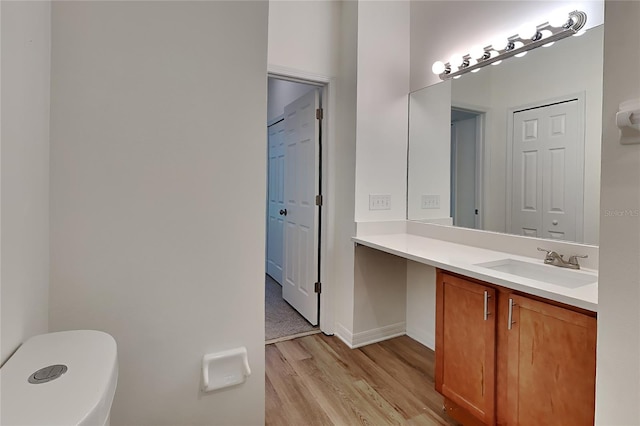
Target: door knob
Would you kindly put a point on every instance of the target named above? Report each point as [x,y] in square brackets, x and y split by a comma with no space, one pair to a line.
[283,212]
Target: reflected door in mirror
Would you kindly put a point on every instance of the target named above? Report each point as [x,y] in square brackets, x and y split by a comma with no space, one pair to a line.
[547,179]
[464,173]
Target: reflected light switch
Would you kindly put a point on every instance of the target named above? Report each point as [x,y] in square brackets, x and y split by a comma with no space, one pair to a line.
[430,202]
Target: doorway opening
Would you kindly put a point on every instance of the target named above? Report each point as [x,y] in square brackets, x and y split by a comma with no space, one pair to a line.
[294,208]
[467,145]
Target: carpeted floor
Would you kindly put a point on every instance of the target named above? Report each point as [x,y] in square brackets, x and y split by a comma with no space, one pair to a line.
[281,319]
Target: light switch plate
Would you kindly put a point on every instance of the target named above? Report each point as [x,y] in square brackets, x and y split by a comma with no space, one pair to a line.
[379,202]
[430,202]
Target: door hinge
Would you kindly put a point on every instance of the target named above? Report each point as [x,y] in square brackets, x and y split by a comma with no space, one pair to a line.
[318,200]
[318,287]
[319,114]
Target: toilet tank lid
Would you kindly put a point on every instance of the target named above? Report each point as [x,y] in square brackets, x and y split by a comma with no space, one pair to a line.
[82,395]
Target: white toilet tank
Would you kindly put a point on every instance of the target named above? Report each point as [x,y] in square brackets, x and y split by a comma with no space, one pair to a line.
[66,378]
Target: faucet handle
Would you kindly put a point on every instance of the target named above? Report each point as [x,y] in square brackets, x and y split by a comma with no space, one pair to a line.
[550,255]
[547,251]
[574,258]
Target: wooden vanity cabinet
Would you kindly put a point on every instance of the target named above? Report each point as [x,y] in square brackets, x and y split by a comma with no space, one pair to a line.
[551,359]
[465,345]
[539,370]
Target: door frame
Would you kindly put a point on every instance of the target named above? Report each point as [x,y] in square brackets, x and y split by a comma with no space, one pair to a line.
[481,119]
[580,98]
[326,222]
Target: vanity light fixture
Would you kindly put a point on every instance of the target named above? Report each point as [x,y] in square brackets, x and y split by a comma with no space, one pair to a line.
[529,37]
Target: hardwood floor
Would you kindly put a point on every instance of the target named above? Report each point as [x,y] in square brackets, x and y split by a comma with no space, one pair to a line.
[318,380]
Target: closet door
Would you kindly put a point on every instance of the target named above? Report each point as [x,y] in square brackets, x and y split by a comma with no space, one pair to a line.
[547,180]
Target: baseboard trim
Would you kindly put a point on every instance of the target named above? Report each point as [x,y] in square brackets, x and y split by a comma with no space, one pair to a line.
[378,334]
[423,337]
[344,334]
[368,337]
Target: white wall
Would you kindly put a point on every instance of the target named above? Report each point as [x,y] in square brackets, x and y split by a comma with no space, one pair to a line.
[381,163]
[618,381]
[348,40]
[382,108]
[304,35]
[24,246]
[381,296]
[342,160]
[319,39]
[429,167]
[421,303]
[158,178]
[281,93]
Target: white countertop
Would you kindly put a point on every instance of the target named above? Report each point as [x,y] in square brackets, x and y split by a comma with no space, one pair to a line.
[462,259]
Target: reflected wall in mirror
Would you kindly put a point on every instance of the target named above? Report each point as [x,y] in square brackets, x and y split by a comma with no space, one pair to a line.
[513,148]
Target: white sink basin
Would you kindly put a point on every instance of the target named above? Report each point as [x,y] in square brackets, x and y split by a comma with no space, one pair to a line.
[564,277]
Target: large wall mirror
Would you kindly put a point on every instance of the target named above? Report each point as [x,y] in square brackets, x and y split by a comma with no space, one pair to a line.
[513,148]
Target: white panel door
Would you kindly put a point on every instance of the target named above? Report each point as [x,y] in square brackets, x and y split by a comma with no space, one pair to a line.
[562,179]
[546,173]
[275,215]
[526,198]
[302,132]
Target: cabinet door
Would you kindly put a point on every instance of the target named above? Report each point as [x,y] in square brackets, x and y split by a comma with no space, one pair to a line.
[551,365]
[465,345]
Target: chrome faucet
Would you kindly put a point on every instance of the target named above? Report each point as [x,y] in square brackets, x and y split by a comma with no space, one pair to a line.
[555,259]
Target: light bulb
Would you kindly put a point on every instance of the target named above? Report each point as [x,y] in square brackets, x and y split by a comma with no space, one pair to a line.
[476,52]
[438,67]
[580,32]
[456,60]
[548,44]
[457,77]
[471,62]
[499,43]
[518,45]
[476,70]
[493,55]
[527,31]
[558,18]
